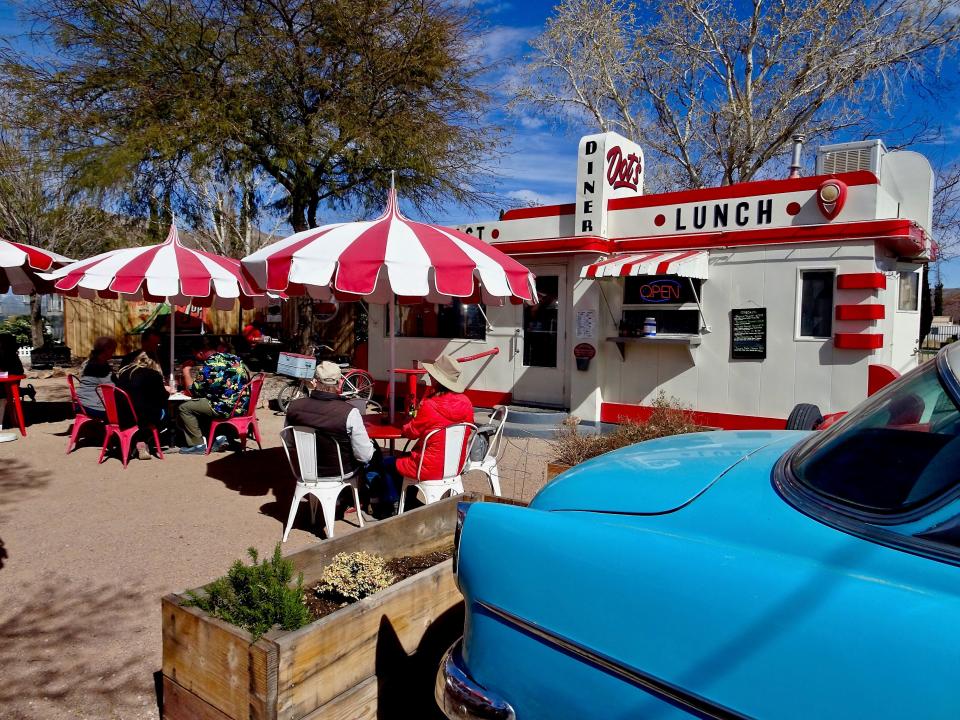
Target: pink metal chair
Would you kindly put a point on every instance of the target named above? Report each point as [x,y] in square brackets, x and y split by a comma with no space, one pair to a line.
[80,417]
[110,393]
[457,440]
[242,423]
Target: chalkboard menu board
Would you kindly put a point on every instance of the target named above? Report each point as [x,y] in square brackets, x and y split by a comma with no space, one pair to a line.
[748,333]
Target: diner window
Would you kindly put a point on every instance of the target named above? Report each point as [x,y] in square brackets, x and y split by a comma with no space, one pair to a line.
[816,303]
[909,297]
[457,320]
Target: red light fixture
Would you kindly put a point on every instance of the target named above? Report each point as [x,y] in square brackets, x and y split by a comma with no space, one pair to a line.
[831,196]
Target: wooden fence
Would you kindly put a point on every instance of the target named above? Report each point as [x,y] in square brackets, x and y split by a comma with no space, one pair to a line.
[86,320]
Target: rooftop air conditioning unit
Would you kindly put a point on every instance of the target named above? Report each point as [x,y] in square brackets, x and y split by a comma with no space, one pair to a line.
[851,156]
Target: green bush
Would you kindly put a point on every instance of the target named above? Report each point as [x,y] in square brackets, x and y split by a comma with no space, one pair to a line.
[256,597]
[19,327]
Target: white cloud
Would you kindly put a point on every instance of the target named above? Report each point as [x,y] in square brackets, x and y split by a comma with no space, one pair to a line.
[502,43]
[528,197]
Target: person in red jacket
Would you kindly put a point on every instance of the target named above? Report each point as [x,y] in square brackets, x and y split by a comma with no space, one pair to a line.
[446,406]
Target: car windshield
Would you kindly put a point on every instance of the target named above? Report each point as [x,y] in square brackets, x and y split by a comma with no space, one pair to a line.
[895,453]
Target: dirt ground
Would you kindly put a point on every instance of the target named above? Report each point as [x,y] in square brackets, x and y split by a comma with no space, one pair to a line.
[87,550]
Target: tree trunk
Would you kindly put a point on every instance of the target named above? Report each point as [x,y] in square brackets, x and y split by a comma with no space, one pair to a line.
[36,320]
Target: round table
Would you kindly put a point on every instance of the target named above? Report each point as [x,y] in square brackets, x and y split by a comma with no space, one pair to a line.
[379,428]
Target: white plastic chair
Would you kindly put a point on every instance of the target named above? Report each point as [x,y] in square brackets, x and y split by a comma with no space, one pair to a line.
[326,490]
[457,440]
[488,465]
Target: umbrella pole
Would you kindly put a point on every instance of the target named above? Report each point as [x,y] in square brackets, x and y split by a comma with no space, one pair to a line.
[173,317]
[391,390]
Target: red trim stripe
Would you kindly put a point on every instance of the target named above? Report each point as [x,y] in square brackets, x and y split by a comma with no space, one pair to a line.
[540,212]
[870,311]
[619,412]
[858,341]
[748,189]
[862,281]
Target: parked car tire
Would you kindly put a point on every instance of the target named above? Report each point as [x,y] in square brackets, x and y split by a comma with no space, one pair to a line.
[804,416]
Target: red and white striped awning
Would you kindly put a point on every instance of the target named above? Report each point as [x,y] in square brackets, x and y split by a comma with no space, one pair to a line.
[20,265]
[168,272]
[688,263]
[386,257]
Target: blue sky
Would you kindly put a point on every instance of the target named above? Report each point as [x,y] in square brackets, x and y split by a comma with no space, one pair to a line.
[538,164]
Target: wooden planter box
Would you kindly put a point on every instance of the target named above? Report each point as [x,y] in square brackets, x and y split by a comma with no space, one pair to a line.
[376,658]
[555,468]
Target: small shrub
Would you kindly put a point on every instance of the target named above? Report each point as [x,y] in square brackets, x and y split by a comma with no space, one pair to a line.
[669,417]
[354,576]
[257,596]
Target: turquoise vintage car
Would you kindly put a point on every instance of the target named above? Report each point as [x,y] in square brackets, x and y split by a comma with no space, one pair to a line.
[727,575]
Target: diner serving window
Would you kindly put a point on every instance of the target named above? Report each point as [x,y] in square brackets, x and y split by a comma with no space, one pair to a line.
[816,303]
[670,300]
[457,320]
[909,291]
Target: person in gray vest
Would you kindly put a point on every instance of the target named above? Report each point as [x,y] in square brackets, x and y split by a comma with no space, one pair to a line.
[334,419]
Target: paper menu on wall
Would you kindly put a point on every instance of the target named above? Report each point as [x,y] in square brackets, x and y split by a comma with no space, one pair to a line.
[586,324]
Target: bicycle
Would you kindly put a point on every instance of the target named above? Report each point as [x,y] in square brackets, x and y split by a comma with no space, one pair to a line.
[354,383]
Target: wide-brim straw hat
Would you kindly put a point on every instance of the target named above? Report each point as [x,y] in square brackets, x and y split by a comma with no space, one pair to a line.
[446,371]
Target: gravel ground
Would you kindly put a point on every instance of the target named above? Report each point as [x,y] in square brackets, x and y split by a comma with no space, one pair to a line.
[87,550]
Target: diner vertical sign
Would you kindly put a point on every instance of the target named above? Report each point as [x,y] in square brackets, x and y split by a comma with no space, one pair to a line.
[608,166]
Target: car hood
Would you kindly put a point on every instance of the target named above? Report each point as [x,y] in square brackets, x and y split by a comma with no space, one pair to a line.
[657,476]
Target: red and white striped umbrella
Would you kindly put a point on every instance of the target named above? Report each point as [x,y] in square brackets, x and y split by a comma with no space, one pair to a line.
[168,272]
[387,257]
[20,265]
[390,258]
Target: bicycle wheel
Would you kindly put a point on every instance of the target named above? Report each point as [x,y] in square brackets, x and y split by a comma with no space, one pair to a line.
[288,394]
[356,384]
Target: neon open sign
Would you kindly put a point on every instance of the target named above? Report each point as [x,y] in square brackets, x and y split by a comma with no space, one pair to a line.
[665,290]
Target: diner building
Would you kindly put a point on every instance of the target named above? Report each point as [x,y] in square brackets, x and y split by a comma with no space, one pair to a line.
[740,301]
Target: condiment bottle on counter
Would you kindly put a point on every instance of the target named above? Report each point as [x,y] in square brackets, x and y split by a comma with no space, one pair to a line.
[649,327]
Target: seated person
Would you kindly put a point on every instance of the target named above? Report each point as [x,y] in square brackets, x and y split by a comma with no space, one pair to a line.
[217,392]
[96,371]
[204,348]
[326,411]
[142,380]
[445,407]
[150,344]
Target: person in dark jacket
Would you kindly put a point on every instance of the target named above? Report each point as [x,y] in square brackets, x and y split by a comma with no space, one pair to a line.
[334,419]
[142,380]
[96,371]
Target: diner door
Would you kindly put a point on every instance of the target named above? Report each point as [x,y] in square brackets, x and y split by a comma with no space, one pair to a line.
[539,343]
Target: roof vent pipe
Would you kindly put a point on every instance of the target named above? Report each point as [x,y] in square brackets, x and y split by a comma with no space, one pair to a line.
[797,148]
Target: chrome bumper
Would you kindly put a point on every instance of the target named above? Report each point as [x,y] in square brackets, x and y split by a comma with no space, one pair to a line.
[461,698]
